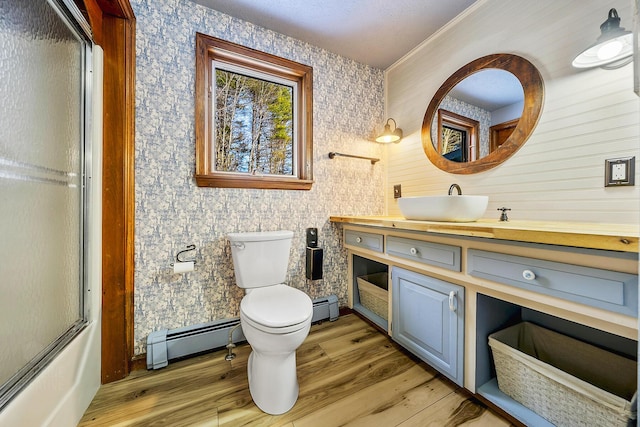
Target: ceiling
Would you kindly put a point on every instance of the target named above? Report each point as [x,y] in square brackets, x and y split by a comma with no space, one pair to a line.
[372,32]
[489,89]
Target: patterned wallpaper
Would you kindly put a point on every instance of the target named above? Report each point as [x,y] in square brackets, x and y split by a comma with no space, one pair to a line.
[172,212]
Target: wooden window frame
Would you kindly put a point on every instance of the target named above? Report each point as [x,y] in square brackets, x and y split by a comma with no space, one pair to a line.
[472,127]
[209,49]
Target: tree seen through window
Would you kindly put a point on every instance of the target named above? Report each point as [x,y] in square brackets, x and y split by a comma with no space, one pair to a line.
[253,118]
[253,125]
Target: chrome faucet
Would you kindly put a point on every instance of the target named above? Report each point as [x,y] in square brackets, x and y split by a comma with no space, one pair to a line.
[457,187]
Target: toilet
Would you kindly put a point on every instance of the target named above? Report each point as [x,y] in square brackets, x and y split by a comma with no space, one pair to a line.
[275,317]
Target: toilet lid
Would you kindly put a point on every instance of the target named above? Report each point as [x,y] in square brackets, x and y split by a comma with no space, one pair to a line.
[277,306]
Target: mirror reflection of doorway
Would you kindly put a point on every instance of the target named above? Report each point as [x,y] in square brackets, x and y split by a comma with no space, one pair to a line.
[492,90]
[493,98]
[499,133]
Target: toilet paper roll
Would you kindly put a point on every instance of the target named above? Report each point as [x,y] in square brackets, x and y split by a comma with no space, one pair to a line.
[182,267]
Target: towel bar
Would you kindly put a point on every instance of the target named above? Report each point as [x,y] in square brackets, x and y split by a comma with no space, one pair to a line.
[372,159]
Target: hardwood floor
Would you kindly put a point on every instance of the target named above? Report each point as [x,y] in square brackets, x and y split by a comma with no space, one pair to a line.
[349,374]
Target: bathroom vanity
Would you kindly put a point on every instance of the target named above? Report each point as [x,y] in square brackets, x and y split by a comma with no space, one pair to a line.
[452,284]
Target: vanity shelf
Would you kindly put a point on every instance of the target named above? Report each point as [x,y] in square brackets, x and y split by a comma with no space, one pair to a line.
[565,271]
[494,315]
[492,393]
[363,267]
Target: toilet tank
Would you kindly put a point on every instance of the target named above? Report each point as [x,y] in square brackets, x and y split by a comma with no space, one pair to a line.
[260,258]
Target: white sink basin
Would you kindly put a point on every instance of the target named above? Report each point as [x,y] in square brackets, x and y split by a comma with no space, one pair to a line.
[444,208]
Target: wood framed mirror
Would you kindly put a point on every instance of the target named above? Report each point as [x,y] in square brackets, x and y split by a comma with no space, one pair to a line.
[503,94]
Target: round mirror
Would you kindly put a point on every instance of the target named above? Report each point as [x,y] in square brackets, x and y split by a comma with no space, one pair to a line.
[482,114]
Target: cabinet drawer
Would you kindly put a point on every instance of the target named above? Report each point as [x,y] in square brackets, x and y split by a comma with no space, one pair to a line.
[609,290]
[369,241]
[436,254]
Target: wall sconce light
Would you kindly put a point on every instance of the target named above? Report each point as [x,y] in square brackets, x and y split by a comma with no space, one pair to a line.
[613,49]
[389,135]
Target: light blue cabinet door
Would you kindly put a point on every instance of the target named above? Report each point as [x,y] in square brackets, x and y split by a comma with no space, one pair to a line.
[428,320]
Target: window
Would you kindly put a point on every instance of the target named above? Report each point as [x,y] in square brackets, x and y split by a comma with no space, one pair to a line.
[253,118]
[458,137]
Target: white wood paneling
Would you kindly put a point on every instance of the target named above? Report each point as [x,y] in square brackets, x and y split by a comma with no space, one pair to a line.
[588,115]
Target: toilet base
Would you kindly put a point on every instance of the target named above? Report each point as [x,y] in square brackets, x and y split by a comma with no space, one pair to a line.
[273,381]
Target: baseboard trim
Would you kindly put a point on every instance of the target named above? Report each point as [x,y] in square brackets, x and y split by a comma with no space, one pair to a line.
[139,361]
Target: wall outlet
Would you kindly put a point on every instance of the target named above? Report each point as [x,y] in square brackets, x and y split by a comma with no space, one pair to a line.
[619,172]
[397,191]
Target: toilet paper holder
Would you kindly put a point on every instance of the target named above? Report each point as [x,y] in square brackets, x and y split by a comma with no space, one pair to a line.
[189,248]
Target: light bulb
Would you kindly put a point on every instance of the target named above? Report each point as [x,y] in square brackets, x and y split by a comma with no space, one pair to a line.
[387,138]
[610,50]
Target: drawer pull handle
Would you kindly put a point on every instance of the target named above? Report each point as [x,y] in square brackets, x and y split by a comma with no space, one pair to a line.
[528,275]
[359,239]
[452,299]
[413,251]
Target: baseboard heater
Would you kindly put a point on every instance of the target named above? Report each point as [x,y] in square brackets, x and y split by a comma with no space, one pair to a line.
[165,345]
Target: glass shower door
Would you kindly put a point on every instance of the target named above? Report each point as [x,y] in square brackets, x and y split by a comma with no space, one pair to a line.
[43,69]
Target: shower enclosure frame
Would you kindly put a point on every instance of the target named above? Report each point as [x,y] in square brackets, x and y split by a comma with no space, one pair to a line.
[79,29]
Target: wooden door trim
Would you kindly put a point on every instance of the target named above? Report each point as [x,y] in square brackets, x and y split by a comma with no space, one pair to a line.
[493,130]
[113,24]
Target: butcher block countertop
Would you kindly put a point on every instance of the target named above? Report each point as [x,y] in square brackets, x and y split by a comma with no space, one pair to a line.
[615,237]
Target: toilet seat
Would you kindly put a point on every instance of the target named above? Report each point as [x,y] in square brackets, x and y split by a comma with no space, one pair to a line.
[277,309]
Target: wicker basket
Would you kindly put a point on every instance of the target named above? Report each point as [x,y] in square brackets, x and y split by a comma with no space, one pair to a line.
[372,289]
[569,382]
